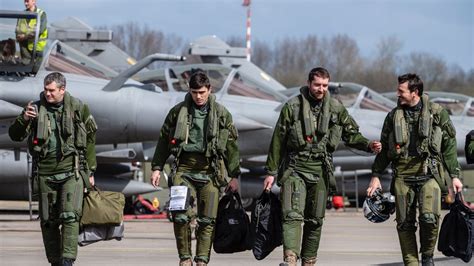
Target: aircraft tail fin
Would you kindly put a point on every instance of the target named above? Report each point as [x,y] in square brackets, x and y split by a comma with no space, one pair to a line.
[211,49]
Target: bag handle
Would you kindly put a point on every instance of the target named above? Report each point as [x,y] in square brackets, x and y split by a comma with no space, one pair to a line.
[459,198]
[94,188]
[223,202]
[229,200]
[460,204]
[236,195]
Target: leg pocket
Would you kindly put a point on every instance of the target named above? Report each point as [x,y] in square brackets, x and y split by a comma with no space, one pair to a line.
[71,199]
[48,200]
[293,198]
[430,198]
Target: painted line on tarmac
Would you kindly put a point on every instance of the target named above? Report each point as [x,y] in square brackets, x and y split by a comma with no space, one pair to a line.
[86,249]
[362,253]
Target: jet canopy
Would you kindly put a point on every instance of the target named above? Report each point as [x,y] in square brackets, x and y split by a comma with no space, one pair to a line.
[224,80]
[61,57]
[353,95]
[456,104]
[12,24]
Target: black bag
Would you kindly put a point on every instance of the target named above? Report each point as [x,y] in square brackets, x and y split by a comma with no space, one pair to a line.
[232,226]
[267,232]
[456,237]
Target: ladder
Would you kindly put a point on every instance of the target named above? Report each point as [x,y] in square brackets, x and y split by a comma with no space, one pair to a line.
[31,204]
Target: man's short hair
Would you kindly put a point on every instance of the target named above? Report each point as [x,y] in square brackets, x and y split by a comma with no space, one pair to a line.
[55,77]
[199,80]
[414,82]
[319,72]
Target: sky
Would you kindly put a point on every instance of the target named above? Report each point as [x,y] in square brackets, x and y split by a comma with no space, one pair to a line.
[444,28]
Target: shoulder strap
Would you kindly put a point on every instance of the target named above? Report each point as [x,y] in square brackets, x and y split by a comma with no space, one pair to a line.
[295,103]
[182,123]
[435,108]
[399,126]
[77,108]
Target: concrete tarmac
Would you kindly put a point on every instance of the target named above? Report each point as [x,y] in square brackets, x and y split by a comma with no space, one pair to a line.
[347,239]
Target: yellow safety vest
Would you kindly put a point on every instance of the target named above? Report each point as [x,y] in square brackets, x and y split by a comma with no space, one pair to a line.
[27,27]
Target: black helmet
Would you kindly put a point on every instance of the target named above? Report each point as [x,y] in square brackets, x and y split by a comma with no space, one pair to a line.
[378,208]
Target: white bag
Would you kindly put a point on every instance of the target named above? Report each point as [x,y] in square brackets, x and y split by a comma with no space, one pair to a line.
[93,233]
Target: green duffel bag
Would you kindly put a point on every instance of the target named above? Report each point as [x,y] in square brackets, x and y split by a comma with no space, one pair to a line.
[102,207]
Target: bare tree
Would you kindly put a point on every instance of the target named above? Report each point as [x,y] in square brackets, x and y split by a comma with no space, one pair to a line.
[343,57]
[295,57]
[140,40]
[262,53]
[381,73]
[431,69]
[235,41]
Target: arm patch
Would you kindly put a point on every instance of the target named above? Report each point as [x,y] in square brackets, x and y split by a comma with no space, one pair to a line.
[233,133]
[449,127]
[91,125]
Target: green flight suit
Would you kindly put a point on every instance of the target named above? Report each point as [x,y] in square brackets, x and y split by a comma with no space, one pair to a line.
[62,142]
[470,150]
[204,144]
[305,136]
[469,147]
[419,142]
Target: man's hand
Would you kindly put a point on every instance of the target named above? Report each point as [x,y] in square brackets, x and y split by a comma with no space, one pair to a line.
[268,183]
[375,146]
[30,112]
[20,37]
[457,185]
[374,185]
[233,185]
[91,180]
[155,178]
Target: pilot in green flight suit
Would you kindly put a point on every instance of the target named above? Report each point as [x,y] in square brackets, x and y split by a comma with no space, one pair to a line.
[419,140]
[469,147]
[308,131]
[61,138]
[201,136]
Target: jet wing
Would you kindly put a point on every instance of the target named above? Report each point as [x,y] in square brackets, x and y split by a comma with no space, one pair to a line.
[243,123]
[9,110]
[124,154]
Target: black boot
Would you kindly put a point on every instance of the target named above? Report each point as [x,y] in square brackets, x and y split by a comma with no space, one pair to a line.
[56,264]
[427,260]
[68,262]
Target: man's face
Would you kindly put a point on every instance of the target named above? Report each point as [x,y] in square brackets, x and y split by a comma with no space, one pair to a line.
[30,5]
[318,87]
[200,95]
[53,94]
[405,96]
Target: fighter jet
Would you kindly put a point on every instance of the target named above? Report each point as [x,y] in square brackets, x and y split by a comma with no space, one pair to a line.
[21,82]
[129,114]
[233,75]
[94,43]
